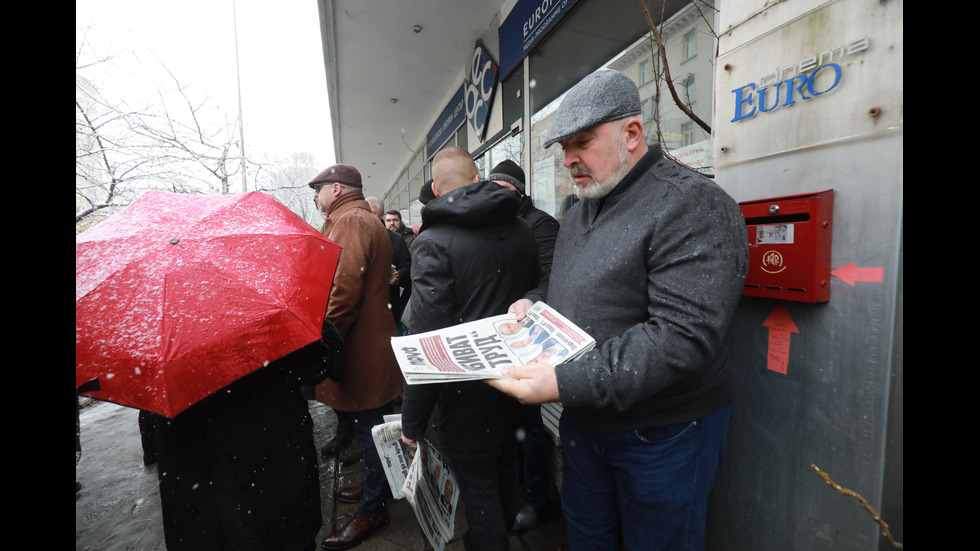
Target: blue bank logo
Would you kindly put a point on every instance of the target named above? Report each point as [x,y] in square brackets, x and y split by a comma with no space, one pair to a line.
[480,91]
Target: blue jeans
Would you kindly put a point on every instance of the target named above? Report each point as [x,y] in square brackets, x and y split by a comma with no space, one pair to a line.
[652,484]
[535,446]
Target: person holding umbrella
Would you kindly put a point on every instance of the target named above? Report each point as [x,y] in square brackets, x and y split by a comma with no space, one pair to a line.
[238,470]
[209,312]
[368,379]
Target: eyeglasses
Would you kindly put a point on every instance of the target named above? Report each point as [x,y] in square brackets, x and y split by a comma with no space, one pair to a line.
[316,187]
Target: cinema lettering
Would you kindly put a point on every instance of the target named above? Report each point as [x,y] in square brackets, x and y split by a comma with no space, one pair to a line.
[813,76]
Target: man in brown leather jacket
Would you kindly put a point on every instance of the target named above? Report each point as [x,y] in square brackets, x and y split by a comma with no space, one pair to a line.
[369,378]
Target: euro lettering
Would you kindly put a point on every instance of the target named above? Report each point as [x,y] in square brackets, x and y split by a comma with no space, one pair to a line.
[749,100]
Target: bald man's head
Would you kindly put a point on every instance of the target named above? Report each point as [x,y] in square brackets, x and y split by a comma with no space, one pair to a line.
[453,168]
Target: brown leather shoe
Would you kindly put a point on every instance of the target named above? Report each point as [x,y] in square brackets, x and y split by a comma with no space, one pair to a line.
[356,531]
[351,494]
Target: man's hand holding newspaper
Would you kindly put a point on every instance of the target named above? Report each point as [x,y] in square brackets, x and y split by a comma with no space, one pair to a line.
[534,383]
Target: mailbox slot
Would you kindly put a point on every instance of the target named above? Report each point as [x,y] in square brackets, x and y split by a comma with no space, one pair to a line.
[789,246]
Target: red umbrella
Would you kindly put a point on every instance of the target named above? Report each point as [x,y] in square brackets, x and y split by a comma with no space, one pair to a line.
[178,295]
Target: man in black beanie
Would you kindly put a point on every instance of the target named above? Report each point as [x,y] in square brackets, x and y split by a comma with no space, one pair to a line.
[544,226]
[425,193]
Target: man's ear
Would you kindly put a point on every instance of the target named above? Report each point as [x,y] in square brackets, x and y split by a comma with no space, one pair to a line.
[633,134]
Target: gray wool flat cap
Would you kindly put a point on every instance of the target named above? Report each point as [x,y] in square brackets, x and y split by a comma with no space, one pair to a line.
[603,96]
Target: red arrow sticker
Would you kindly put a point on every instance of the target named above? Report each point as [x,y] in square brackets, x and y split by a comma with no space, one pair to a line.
[780,326]
[850,273]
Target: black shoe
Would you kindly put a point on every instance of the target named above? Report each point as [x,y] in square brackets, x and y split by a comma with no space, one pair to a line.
[529,517]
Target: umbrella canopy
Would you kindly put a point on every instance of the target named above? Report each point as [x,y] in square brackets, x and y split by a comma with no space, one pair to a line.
[178,295]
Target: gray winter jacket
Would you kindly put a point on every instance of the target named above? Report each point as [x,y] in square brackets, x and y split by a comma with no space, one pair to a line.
[654,272]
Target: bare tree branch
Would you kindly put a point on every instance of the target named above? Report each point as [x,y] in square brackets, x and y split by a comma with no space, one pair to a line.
[874,514]
[662,52]
[123,151]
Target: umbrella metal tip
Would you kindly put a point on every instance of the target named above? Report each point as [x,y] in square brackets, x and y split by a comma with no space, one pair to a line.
[174,240]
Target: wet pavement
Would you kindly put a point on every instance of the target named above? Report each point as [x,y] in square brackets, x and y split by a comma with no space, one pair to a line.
[118,505]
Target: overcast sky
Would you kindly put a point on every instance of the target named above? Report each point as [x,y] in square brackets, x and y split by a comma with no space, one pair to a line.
[283,88]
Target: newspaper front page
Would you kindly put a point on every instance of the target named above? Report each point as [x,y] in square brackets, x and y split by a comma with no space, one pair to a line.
[431,490]
[421,477]
[480,349]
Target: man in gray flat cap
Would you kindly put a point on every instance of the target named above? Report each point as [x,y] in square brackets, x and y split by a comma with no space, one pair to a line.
[651,263]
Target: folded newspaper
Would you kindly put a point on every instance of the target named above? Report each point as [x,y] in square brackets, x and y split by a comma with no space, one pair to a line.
[430,488]
[396,456]
[422,478]
[480,349]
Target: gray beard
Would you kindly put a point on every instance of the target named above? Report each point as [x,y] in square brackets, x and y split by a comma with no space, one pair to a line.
[599,189]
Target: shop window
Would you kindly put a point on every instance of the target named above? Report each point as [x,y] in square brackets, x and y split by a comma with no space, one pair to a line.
[549,183]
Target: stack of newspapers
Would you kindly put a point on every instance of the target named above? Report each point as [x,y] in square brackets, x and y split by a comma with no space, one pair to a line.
[422,478]
[480,349]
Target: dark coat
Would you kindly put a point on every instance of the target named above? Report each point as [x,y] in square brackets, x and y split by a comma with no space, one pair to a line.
[402,261]
[544,227]
[472,260]
[654,272]
[238,470]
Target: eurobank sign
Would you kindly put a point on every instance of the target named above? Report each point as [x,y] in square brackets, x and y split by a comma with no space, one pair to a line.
[448,122]
[813,76]
[525,25]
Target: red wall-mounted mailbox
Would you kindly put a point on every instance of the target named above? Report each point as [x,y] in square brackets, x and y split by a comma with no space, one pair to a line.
[789,246]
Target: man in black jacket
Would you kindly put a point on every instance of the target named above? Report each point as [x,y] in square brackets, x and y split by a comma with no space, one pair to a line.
[471,260]
[401,265]
[543,226]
